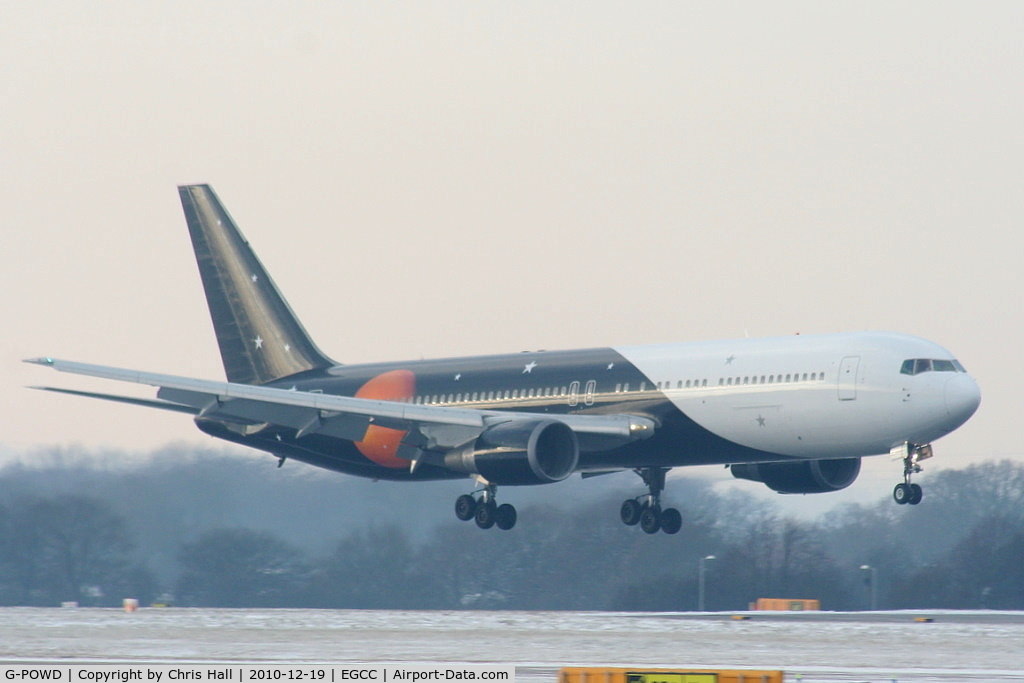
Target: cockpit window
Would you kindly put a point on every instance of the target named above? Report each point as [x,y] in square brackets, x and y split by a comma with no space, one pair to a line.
[915,366]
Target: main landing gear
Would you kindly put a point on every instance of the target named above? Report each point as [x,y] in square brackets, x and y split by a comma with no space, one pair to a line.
[646,510]
[485,510]
[908,493]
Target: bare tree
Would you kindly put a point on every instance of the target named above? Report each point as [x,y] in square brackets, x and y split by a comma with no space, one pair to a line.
[241,568]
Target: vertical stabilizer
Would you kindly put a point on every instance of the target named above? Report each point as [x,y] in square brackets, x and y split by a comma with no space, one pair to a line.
[260,338]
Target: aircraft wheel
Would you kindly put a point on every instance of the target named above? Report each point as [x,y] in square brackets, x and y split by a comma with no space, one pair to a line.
[465,507]
[486,514]
[650,520]
[902,494]
[630,512]
[916,494]
[505,516]
[671,521]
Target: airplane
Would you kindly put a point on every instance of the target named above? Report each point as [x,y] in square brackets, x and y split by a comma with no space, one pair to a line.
[794,413]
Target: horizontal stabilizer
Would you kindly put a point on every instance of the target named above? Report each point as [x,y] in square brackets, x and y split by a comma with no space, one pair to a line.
[131,400]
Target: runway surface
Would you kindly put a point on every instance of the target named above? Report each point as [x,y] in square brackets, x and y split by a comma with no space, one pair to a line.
[813,647]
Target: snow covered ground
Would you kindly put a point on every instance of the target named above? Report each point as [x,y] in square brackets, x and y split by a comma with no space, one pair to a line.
[812,647]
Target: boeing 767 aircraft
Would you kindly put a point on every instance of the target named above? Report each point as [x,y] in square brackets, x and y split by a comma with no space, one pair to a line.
[795,413]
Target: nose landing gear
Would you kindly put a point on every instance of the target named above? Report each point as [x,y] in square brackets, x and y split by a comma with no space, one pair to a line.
[485,510]
[646,510]
[909,493]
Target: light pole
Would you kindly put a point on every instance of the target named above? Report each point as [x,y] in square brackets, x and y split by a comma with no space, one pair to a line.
[872,579]
[700,582]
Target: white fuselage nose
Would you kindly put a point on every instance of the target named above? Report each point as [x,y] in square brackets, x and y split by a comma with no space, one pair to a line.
[963,396]
[937,403]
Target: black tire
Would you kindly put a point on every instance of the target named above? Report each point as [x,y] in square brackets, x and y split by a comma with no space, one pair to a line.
[671,521]
[901,494]
[916,494]
[505,517]
[465,507]
[630,512]
[650,520]
[486,514]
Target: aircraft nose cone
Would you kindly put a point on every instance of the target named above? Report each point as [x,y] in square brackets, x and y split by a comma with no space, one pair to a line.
[962,397]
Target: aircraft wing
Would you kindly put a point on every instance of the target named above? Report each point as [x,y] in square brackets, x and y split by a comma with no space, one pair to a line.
[430,427]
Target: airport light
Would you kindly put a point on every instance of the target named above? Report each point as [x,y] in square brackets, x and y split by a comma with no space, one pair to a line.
[700,581]
[871,577]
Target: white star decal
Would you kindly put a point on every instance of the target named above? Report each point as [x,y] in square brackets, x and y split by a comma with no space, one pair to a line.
[611,365]
[287,347]
[529,367]
[255,277]
[258,341]
[458,376]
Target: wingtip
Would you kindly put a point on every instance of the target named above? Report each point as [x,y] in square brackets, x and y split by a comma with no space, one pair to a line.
[42,360]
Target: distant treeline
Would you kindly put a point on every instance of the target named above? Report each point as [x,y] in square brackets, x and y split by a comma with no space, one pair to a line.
[208,529]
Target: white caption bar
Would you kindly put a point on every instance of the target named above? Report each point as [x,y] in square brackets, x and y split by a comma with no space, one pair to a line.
[253,673]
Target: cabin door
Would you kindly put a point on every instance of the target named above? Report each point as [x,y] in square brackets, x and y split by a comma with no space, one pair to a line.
[848,378]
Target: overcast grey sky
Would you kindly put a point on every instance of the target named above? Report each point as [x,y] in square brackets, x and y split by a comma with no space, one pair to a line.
[432,179]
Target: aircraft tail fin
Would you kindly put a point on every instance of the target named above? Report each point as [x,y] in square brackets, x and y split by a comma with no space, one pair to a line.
[259,336]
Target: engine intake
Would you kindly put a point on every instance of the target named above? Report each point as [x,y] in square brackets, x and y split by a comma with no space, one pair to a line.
[520,452]
[804,476]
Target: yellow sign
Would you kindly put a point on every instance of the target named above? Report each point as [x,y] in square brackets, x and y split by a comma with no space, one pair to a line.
[673,677]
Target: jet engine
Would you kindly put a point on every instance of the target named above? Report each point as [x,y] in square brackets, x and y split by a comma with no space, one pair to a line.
[803,476]
[520,452]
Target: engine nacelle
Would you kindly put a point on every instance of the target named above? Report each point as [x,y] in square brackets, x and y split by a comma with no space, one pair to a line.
[803,476]
[520,452]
